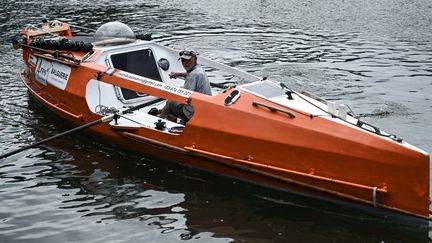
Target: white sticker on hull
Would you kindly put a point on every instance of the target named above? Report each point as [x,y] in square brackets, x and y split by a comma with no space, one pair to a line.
[156,84]
[52,73]
[59,75]
[32,60]
[42,71]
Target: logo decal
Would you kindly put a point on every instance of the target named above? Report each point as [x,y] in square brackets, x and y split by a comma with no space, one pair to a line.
[52,73]
[59,75]
[42,70]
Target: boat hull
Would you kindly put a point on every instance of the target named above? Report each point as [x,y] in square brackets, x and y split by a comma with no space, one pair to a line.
[311,166]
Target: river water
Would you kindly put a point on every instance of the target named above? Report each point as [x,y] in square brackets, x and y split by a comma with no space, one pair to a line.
[375,56]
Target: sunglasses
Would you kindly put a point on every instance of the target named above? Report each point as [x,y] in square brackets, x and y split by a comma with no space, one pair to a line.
[188,53]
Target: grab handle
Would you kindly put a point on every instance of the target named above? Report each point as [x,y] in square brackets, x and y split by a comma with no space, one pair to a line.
[273,109]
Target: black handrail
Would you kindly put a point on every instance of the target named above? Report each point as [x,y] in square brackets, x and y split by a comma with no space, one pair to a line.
[273,109]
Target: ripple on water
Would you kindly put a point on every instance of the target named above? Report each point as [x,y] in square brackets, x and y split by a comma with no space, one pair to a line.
[76,190]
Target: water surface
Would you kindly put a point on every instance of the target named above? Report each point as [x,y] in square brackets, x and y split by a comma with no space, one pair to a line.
[374,56]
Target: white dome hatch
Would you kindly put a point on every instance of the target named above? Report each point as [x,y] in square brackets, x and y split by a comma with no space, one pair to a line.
[113,33]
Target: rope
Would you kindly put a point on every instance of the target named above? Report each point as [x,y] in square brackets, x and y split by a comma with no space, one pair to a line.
[105,110]
[133,121]
[301,97]
[391,136]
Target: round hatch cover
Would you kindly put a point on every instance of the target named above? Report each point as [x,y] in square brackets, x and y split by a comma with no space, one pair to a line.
[113,33]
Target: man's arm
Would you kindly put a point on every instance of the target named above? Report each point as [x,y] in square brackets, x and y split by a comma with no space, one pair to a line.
[177,75]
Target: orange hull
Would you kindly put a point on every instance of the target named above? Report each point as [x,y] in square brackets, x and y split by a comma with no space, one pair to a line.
[255,138]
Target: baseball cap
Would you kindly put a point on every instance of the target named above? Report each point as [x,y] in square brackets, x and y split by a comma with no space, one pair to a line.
[187,54]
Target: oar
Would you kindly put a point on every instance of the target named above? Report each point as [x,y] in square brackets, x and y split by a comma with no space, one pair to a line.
[93,123]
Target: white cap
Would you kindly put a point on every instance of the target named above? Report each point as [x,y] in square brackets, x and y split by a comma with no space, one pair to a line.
[187,54]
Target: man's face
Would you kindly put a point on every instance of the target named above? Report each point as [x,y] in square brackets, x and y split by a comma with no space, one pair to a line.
[188,64]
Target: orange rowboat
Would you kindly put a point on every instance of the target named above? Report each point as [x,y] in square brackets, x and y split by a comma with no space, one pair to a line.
[261,130]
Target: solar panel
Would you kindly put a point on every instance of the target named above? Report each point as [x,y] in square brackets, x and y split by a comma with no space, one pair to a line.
[265,89]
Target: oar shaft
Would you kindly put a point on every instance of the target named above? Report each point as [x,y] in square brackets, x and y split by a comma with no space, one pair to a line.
[51,138]
[93,123]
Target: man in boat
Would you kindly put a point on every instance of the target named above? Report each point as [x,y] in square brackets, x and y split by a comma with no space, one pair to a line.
[195,80]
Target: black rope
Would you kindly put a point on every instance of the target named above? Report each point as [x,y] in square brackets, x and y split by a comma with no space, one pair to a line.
[391,136]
